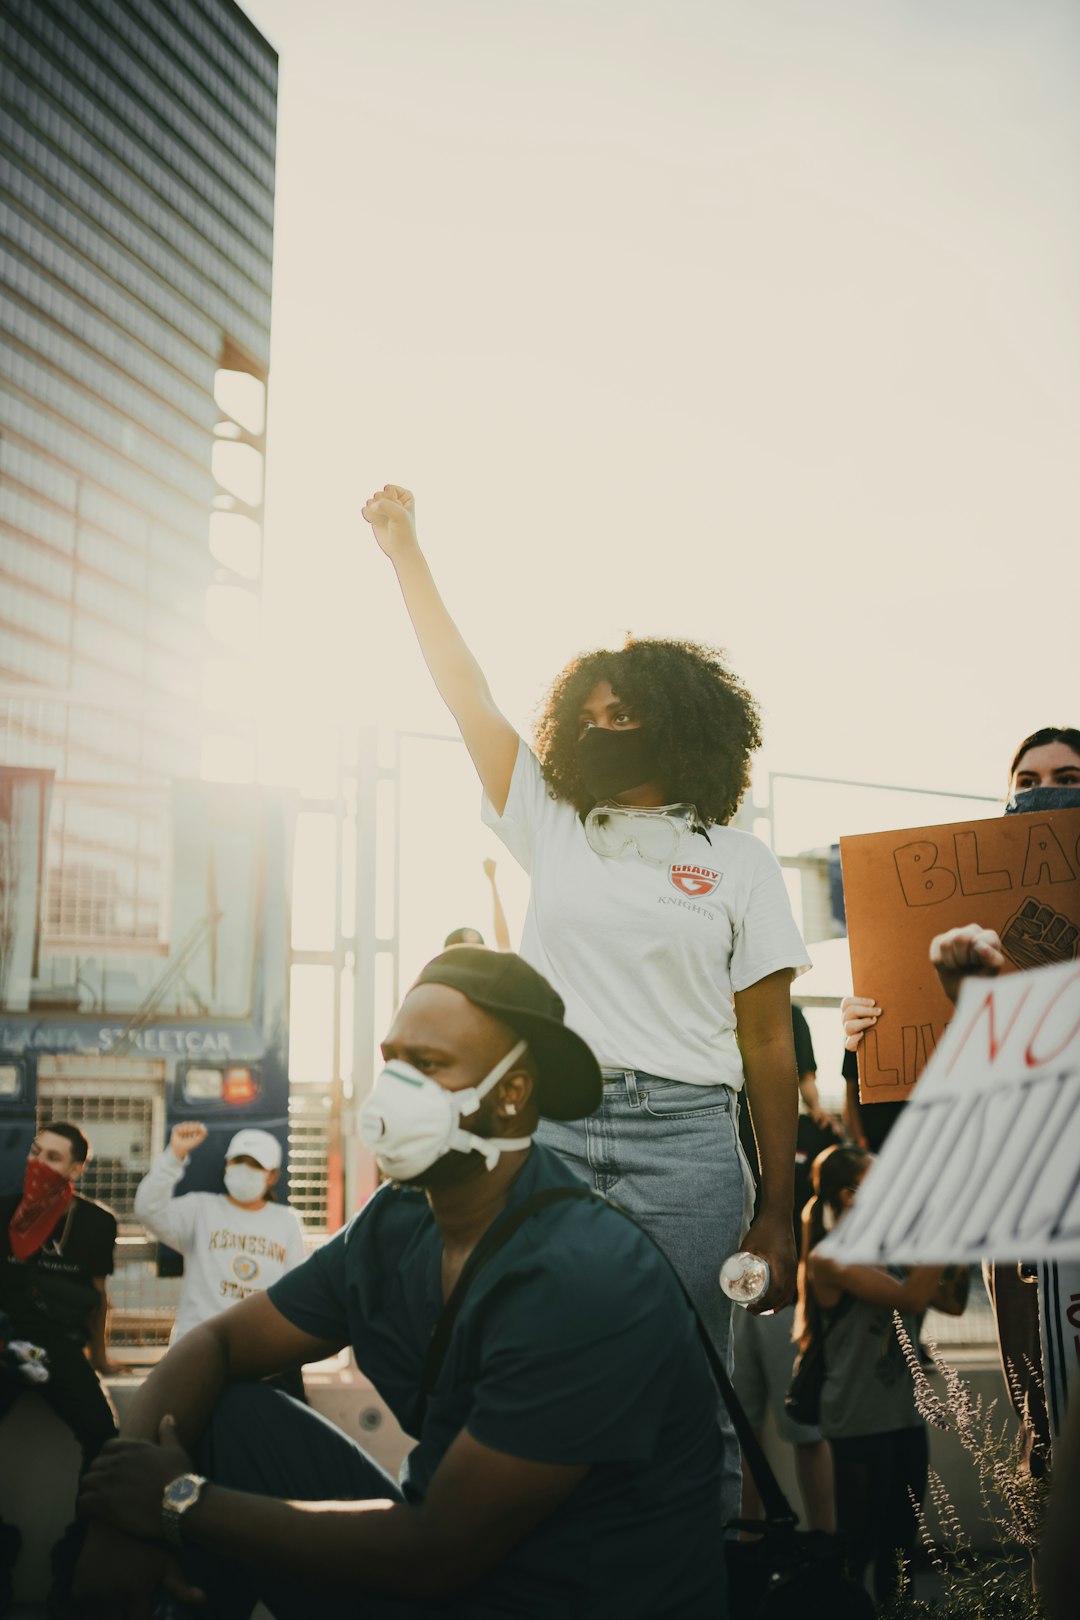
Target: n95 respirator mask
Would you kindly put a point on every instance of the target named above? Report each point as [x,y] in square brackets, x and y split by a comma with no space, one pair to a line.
[409,1121]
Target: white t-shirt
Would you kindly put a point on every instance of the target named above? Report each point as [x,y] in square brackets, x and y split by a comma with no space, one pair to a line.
[228,1252]
[647,958]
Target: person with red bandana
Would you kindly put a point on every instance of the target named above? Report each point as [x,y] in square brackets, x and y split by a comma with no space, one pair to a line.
[56,1251]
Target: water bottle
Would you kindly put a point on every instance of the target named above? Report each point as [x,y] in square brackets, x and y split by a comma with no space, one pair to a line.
[745,1277]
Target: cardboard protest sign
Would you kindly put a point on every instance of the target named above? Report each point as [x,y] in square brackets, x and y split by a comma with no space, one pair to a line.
[985,1159]
[1017,874]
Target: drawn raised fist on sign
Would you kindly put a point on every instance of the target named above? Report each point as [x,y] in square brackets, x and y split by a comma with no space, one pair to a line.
[1038,936]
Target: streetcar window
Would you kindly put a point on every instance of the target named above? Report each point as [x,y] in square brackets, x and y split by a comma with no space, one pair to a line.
[203,1083]
[236,1085]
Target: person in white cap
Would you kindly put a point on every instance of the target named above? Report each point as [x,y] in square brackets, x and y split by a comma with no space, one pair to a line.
[234,1243]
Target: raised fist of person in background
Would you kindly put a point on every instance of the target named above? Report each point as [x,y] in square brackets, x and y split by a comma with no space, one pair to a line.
[186,1138]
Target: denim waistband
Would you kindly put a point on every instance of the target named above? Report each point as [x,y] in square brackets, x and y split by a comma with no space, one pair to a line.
[609,1075]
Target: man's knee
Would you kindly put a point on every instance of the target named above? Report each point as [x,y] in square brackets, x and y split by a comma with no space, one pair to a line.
[246,1403]
[242,1417]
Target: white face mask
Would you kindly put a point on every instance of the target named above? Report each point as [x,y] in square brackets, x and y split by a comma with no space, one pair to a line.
[409,1121]
[245,1183]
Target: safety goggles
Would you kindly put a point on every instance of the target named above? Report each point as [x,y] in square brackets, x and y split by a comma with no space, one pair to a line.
[653,834]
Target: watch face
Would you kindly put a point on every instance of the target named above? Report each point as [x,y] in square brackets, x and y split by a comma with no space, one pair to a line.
[183,1491]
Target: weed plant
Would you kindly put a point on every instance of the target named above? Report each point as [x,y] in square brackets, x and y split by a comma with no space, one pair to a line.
[977,1586]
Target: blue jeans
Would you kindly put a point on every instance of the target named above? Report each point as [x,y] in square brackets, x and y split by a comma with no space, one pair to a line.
[669,1153]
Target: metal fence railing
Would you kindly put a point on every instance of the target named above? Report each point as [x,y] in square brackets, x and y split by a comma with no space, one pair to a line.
[309,1152]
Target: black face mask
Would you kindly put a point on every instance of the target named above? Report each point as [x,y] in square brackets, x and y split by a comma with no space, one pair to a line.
[1044,798]
[612,762]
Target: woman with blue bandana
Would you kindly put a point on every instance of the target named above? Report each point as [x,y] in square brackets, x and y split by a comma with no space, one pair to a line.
[1044,775]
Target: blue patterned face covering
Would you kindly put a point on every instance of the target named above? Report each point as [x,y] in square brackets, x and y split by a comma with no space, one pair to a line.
[1043,798]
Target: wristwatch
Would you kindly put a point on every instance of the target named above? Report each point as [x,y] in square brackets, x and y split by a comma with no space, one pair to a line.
[178,1497]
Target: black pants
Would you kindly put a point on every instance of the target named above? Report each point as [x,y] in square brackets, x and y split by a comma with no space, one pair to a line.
[877,1476]
[73,1391]
[262,1441]
[76,1396]
[1016,1314]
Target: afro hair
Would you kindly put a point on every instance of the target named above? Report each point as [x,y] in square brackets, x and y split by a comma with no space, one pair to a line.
[705,721]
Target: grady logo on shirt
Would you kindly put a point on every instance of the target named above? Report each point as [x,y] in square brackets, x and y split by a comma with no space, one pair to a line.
[694,880]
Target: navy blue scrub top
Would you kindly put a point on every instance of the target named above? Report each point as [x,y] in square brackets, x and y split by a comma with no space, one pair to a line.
[574,1346]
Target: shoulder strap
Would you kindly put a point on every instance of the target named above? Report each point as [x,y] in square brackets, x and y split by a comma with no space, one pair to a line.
[498,1233]
[841,1308]
[777,1507]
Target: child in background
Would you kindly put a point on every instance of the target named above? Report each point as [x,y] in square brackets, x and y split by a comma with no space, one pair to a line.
[868,1413]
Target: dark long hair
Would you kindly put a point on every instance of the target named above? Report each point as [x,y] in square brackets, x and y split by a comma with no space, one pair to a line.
[837,1170]
[1039,739]
[705,721]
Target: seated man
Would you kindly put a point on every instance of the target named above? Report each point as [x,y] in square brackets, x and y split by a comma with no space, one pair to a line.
[56,1250]
[568,1456]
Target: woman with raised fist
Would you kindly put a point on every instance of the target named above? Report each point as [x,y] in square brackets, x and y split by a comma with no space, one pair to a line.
[665,931]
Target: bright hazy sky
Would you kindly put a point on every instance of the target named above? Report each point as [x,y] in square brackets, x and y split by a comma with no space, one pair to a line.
[752,322]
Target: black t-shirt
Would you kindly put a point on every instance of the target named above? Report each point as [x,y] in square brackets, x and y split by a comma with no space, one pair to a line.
[56,1282]
[574,1345]
[810,1140]
[805,1061]
[878,1118]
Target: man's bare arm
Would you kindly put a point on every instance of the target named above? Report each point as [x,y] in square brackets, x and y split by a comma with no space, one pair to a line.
[502,932]
[481,1504]
[250,1340]
[99,1329]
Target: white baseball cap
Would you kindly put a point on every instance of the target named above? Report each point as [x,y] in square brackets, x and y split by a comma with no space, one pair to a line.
[258,1145]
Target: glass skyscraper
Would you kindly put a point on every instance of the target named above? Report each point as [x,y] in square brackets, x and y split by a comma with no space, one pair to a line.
[137,142]
[137,149]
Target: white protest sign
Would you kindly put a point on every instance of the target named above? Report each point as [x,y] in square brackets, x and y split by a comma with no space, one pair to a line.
[985,1159]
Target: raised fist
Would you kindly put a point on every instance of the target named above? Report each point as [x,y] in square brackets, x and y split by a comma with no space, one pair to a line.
[1038,935]
[186,1138]
[391,511]
[963,952]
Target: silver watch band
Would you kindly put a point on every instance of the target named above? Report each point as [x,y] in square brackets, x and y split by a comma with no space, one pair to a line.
[180,1495]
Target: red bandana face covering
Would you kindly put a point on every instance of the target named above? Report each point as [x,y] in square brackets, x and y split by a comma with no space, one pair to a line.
[46,1195]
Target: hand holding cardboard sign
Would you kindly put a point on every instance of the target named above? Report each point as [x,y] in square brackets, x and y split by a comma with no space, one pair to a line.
[1017,874]
[858,1013]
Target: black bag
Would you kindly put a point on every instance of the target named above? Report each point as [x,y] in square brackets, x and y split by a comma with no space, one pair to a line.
[803,1399]
[802,1403]
[783,1576]
[796,1575]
